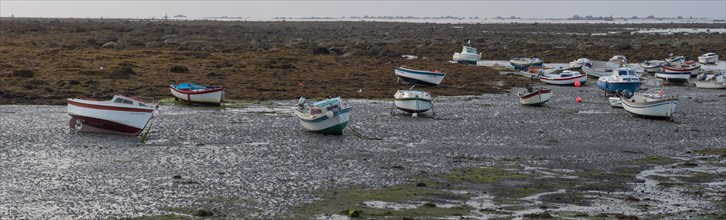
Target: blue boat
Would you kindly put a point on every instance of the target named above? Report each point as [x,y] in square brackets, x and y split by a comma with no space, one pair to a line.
[522,63]
[623,78]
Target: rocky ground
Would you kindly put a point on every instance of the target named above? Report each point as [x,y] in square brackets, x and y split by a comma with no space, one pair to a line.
[45,61]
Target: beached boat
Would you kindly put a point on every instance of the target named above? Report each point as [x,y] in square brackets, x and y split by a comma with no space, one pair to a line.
[615,102]
[468,55]
[419,77]
[534,96]
[600,68]
[534,72]
[675,59]
[328,116]
[193,93]
[413,101]
[708,58]
[579,63]
[622,78]
[677,77]
[677,67]
[566,77]
[657,106]
[711,81]
[618,59]
[651,66]
[121,115]
[522,63]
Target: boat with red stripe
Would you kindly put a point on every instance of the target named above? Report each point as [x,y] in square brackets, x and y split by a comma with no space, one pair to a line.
[121,115]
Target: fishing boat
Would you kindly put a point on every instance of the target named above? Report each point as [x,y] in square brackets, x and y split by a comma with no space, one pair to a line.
[651,66]
[121,115]
[657,106]
[468,55]
[675,59]
[689,66]
[708,58]
[579,63]
[522,63]
[329,116]
[622,78]
[534,96]
[566,77]
[419,77]
[193,93]
[413,101]
[711,81]
[618,59]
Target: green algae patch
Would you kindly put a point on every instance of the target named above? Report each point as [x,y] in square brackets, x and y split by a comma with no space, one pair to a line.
[354,198]
[652,160]
[713,151]
[485,175]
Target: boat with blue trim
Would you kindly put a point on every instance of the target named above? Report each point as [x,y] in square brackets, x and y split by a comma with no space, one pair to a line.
[419,77]
[623,78]
[193,93]
[657,106]
[413,101]
[522,63]
[329,116]
[534,96]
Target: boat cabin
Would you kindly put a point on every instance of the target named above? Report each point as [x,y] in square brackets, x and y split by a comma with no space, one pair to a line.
[128,101]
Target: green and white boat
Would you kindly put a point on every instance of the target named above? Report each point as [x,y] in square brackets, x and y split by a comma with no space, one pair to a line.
[328,116]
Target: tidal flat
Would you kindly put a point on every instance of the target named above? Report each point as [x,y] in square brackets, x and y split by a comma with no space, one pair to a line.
[481,156]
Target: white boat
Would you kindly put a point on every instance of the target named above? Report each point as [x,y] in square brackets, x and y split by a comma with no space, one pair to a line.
[579,63]
[678,67]
[618,59]
[615,102]
[711,81]
[675,59]
[566,77]
[678,77]
[328,116]
[600,68]
[419,77]
[657,106]
[468,55]
[522,63]
[534,96]
[708,58]
[651,66]
[193,93]
[121,115]
[413,101]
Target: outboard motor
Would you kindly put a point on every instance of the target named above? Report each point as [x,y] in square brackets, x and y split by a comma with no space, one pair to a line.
[529,88]
[627,94]
[301,101]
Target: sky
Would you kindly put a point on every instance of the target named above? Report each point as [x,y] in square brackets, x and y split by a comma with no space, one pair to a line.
[715,9]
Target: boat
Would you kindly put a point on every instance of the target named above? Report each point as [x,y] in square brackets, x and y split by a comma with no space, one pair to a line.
[689,66]
[193,93]
[708,58]
[534,72]
[534,96]
[468,55]
[120,115]
[677,77]
[622,78]
[658,106]
[566,77]
[618,59]
[600,68]
[522,63]
[419,77]
[711,81]
[413,101]
[615,102]
[651,66]
[579,63]
[675,59]
[329,116]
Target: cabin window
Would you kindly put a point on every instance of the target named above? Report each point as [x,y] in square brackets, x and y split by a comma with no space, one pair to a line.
[623,73]
[142,104]
[128,102]
[470,50]
[118,100]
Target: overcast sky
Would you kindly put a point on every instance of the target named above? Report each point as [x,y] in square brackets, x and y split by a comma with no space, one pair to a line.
[715,9]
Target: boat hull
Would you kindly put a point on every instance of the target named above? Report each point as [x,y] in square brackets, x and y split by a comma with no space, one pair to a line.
[524,66]
[657,109]
[674,76]
[536,98]
[711,85]
[610,86]
[615,102]
[327,125]
[422,78]
[708,60]
[466,58]
[564,80]
[212,96]
[130,121]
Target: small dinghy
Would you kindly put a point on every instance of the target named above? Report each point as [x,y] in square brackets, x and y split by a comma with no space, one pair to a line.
[657,106]
[619,60]
[566,77]
[651,66]
[120,115]
[413,101]
[708,58]
[522,63]
[193,93]
[579,63]
[615,102]
[534,96]
[468,55]
[622,78]
[328,116]
[419,77]
[675,59]
[711,81]
[690,66]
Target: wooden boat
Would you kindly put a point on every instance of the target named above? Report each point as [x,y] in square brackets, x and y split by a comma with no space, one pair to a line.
[566,77]
[419,77]
[522,63]
[534,96]
[711,81]
[193,93]
[651,66]
[121,115]
[328,116]
[658,106]
[579,63]
[622,78]
[468,55]
[413,101]
[676,67]
[708,58]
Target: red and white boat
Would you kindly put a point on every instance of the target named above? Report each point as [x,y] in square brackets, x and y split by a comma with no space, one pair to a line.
[675,67]
[535,97]
[566,77]
[121,115]
[194,93]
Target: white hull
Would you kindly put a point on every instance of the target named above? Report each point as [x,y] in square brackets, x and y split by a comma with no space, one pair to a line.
[125,118]
[466,57]
[324,124]
[639,105]
[558,79]
[708,60]
[215,97]
[673,77]
[711,85]
[425,78]
[536,99]
[412,101]
[615,102]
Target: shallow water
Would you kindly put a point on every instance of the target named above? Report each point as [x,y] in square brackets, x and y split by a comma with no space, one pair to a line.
[261,156]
